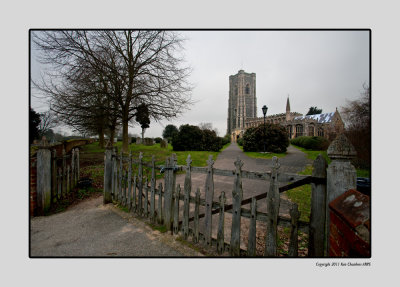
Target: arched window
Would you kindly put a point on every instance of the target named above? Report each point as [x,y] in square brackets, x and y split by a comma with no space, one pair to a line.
[311,130]
[299,131]
[320,132]
[247,89]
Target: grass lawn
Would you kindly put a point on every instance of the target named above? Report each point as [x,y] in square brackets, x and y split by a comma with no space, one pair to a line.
[95,169]
[302,195]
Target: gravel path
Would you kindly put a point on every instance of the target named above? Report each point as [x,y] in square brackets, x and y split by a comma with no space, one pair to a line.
[91,229]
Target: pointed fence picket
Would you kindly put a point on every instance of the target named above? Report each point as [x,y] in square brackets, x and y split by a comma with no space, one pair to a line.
[162,204]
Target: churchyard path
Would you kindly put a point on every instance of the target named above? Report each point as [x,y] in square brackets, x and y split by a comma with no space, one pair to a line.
[91,229]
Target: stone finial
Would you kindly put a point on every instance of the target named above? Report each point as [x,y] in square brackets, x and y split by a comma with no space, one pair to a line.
[189,160]
[341,148]
[210,162]
[238,164]
[275,163]
[44,142]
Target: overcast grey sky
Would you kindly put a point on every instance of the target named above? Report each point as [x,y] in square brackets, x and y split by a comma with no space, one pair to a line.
[315,68]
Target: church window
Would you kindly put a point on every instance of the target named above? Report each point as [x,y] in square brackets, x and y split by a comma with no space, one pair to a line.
[247,89]
[311,131]
[299,130]
[320,132]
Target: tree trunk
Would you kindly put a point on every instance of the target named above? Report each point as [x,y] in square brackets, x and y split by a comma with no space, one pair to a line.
[101,137]
[143,135]
[125,139]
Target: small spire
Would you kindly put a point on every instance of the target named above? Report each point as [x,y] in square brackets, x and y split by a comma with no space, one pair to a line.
[287,104]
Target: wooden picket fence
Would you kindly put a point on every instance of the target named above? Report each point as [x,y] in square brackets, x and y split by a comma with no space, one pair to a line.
[64,173]
[162,204]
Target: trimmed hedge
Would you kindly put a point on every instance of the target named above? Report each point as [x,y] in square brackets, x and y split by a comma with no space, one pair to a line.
[312,143]
[276,139]
[192,138]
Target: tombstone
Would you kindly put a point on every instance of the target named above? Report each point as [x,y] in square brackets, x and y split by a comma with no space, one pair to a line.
[148,141]
[164,144]
[138,140]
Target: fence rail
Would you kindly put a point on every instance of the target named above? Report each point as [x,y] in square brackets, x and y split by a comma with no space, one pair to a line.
[192,216]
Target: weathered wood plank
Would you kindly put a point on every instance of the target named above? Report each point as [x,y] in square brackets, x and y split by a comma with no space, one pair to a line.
[187,191]
[134,198]
[159,211]
[43,170]
[294,242]
[318,210]
[176,210]
[251,246]
[129,196]
[209,194]
[146,199]
[53,176]
[64,173]
[140,186]
[152,189]
[119,197]
[221,224]
[196,217]
[237,195]
[273,201]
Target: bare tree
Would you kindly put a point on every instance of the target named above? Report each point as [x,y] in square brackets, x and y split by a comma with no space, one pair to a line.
[357,116]
[48,121]
[125,68]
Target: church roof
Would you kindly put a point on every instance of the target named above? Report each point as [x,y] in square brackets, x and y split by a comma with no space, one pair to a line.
[320,118]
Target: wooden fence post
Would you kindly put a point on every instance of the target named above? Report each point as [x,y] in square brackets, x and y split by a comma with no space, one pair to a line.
[341,174]
[120,199]
[114,175]
[221,224]
[294,242]
[273,201]
[169,191]
[140,187]
[108,176]
[134,201]
[237,196]
[196,217]
[251,246]
[43,180]
[209,194]
[129,198]
[59,183]
[176,209]
[318,210]
[77,164]
[152,189]
[73,168]
[64,171]
[146,199]
[54,176]
[187,191]
[159,211]
[68,179]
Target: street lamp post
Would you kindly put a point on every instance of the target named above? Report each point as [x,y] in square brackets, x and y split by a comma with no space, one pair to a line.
[264,110]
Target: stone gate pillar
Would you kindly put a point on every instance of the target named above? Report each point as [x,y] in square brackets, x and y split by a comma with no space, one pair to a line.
[341,174]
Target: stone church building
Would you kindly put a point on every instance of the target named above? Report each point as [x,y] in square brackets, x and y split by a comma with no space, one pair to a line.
[242,113]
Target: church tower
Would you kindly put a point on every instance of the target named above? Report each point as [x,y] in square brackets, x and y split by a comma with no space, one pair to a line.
[242,102]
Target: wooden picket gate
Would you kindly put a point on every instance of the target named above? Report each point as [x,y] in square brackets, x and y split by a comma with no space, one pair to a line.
[145,199]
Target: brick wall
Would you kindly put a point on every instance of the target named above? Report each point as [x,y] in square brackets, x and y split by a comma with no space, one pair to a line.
[32,187]
[350,225]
